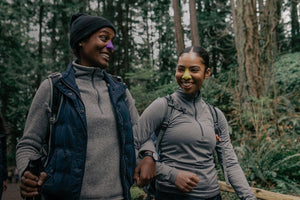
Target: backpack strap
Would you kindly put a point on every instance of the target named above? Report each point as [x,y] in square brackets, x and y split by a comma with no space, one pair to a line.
[158,136]
[160,132]
[166,121]
[214,114]
[56,99]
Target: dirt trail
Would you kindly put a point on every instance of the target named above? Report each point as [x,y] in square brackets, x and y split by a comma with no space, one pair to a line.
[12,192]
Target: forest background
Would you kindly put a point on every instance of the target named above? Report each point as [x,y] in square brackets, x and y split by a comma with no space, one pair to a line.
[254,49]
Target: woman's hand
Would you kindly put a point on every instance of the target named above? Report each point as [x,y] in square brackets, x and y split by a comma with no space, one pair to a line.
[186,181]
[145,171]
[30,183]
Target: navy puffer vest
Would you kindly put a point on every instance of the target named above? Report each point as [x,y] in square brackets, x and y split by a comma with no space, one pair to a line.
[66,166]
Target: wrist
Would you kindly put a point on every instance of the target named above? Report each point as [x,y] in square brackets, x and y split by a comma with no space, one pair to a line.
[151,154]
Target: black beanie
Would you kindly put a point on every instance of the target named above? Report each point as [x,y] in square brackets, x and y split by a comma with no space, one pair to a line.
[83,25]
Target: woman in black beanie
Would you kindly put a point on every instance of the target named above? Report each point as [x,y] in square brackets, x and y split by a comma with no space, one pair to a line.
[91,154]
[87,31]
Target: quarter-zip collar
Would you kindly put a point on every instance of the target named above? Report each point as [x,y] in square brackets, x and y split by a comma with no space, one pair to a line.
[189,97]
[193,104]
[116,88]
[87,72]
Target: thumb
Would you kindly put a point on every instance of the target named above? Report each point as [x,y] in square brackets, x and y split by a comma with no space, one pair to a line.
[137,173]
[42,178]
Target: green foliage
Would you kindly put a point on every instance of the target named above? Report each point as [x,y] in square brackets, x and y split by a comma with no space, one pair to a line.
[267,132]
[216,33]
[229,196]
[143,99]
[145,87]
[256,113]
[166,43]
[267,128]
[272,162]
[16,68]
[266,140]
[137,193]
[218,91]
[287,71]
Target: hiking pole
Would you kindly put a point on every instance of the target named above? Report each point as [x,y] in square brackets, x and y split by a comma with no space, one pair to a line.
[34,167]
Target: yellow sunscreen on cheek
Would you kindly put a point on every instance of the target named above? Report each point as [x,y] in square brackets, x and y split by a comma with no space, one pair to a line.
[186,74]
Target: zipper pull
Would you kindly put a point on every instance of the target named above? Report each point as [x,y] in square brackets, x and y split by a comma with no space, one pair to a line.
[218,138]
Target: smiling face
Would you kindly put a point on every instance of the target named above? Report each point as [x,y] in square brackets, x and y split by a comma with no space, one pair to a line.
[190,72]
[96,50]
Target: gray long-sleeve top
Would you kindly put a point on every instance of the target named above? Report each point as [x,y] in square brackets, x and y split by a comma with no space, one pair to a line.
[102,178]
[188,144]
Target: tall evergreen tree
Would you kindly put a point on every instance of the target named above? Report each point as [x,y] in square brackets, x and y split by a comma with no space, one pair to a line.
[166,44]
[194,23]
[216,34]
[179,36]
[246,39]
[295,40]
[16,66]
[269,44]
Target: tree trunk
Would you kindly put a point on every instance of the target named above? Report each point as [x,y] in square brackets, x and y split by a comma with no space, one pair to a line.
[295,27]
[65,26]
[194,23]
[115,69]
[53,27]
[84,6]
[126,38]
[273,15]
[178,27]
[269,49]
[262,21]
[40,46]
[110,8]
[149,50]
[260,193]
[246,39]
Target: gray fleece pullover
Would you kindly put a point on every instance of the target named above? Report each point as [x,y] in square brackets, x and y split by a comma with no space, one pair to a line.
[188,144]
[102,179]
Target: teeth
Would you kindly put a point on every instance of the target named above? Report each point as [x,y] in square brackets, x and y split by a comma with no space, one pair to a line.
[105,55]
[186,84]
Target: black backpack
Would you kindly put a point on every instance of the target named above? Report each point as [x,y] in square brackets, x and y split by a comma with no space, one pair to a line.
[56,99]
[159,134]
